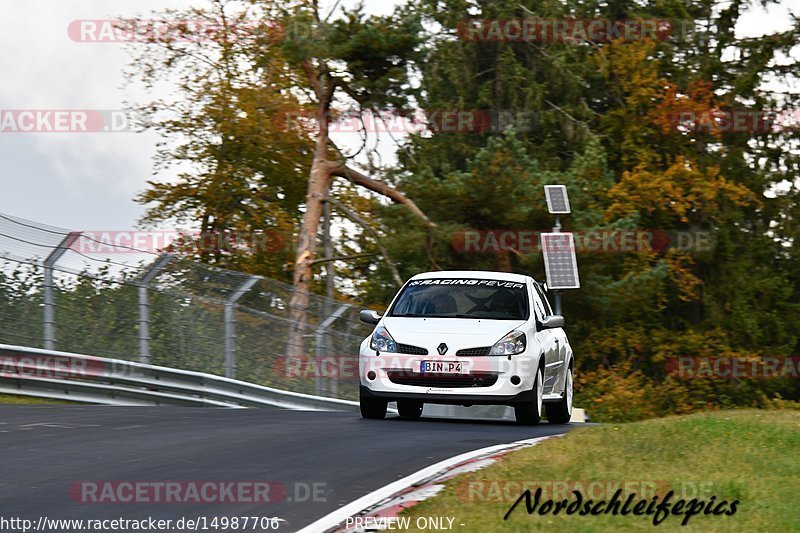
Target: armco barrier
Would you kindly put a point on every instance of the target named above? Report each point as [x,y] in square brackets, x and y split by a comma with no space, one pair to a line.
[83,378]
[100,380]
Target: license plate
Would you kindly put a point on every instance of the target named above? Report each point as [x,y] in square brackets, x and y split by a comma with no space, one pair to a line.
[444,367]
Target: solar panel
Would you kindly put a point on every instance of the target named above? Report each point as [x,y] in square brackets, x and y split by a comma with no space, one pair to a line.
[557,199]
[560,263]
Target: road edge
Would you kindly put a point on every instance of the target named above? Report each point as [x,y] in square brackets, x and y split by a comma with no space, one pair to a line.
[397,491]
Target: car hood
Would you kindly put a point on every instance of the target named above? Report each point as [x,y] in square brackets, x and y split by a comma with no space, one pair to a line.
[406,329]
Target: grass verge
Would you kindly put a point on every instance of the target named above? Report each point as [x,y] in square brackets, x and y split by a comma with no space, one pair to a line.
[30,400]
[748,455]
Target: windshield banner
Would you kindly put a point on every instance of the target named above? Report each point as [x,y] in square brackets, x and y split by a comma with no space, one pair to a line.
[466,281]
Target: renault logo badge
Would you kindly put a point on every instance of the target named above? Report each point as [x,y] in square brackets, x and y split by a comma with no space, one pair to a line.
[442,349]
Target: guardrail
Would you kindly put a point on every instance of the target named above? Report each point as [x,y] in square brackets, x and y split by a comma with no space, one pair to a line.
[100,380]
[89,379]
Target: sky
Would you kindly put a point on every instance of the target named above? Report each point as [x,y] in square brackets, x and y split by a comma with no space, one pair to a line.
[87,181]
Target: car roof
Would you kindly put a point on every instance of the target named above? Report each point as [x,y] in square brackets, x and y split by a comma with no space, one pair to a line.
[474,274]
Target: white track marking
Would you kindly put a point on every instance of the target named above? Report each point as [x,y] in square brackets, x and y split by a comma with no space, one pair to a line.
[338,516]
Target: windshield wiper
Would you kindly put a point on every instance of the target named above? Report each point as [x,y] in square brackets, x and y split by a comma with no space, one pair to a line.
[457,315]
[417,315]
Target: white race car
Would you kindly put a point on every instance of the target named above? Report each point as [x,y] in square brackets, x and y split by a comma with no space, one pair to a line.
[467,338]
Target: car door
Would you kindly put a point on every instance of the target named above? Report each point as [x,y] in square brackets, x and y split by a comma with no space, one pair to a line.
[561,344]
[549,341]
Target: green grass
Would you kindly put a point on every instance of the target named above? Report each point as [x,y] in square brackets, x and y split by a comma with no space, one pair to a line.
[749,455]
[30,400]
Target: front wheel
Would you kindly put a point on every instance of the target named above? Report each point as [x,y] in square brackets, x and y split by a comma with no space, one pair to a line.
[372,407]
[561,412]
[409,408]
[530,413]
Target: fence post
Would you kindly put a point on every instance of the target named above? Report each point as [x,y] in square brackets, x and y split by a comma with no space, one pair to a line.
[321,343]
[144,305]
[230,325]
[49,335]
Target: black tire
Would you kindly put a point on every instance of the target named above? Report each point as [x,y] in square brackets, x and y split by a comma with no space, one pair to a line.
[530,413]
[410,408]
[561,412]
[372,407]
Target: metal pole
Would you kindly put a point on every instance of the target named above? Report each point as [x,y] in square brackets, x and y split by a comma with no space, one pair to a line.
[330,273]
[320,334]
[144,305]
[144,325]
[49,319]
[322,342]
[557,294]
[230,325]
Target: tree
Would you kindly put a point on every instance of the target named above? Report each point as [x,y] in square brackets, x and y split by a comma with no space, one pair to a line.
[605,126]
[366,60]
[223,130]
[601,118]
[240,97]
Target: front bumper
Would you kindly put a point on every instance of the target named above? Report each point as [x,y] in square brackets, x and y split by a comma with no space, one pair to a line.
[496,380]
[450,399]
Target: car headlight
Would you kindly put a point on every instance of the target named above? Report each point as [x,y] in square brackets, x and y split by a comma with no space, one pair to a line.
[382,342]
[511,344]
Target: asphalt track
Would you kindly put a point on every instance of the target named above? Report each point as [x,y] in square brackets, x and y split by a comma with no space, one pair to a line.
[46,450]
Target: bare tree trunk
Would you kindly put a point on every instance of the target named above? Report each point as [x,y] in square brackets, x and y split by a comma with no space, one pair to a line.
[318,186]
[322,171]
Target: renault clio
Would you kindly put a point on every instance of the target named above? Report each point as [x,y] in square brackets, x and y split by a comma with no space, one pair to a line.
[468,338]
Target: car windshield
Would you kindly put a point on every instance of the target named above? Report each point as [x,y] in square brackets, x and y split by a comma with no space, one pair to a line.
[462,298]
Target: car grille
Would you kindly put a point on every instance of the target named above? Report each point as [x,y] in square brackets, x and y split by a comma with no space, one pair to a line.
[411,350]
[474,352]
[445,382]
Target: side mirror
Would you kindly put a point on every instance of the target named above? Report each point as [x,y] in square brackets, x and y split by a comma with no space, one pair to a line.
[370,317]
[553,321]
